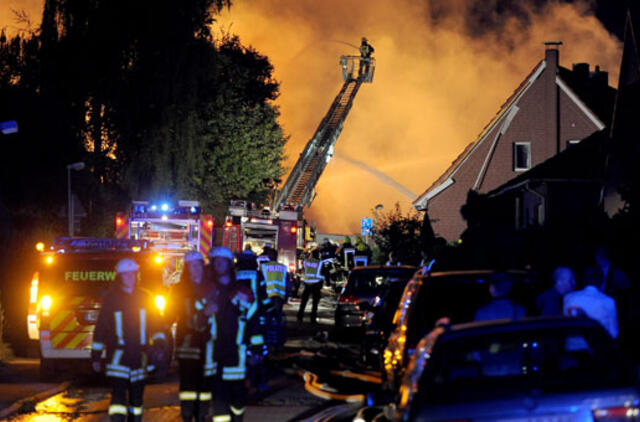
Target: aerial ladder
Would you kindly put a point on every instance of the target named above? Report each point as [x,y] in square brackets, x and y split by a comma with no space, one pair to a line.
[299,189]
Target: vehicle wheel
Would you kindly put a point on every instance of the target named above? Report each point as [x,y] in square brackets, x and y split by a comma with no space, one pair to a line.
[47,369]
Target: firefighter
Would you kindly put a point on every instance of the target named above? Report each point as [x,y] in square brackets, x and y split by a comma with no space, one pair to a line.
[129,330]
[194,341]
[247,270]
[366,50]
[277,282]
[235,334]
[312,285]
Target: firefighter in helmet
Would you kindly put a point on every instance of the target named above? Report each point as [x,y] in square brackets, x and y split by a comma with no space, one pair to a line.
[248,271]
[194,340]
[129,329]
[366,50]
[236,334]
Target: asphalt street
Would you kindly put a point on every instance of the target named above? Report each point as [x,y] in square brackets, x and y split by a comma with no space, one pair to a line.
[311,377]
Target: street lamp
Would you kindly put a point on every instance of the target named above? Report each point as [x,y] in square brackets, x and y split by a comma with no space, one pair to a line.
[375,217]
[75,166]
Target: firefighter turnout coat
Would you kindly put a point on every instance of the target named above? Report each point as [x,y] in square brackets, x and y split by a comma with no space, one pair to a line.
[127,327]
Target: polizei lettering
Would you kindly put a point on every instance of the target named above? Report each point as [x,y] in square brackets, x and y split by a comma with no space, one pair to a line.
[89,275]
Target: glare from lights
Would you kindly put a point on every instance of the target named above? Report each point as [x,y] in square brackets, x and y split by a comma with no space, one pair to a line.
[49,259]
[39,246]
[118,221]
[165,207]
[161,302]
[135,248]
[153,207]
[45,303]
[164,218]
[210,223]
[158,259]
[193,210]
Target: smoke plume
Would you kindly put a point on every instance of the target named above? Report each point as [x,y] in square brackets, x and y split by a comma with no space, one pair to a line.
[444,67]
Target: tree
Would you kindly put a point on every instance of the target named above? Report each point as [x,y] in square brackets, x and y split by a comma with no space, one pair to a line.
[400,233]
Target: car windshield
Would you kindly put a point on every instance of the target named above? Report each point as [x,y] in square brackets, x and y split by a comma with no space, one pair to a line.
[493,365]
[363,281]
[458,297]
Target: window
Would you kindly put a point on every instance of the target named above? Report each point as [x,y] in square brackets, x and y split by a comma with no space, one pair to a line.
[521,156]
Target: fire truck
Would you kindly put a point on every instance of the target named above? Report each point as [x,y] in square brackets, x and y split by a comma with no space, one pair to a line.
[171,230]
[282,224]
[66,292]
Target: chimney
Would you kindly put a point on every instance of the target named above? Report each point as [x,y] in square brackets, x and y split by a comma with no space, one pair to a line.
[551,54]
[600,79]
[581,72]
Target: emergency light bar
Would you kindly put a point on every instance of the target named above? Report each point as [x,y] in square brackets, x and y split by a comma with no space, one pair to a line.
[89,244]
[165,210]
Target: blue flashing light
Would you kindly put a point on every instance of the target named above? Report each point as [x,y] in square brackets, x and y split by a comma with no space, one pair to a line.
[165,207]
[534,344]
[535,369]
[154,207]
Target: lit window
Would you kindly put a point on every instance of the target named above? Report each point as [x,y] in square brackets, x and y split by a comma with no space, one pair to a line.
[521,156]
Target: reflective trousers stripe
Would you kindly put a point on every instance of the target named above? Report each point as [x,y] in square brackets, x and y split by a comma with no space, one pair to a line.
[206,396]
[137,411]
[222,418]
[97,346]
[237,411]
[117,409]
[188,396]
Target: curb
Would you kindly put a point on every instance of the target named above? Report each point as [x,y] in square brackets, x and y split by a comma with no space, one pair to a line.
[15,407]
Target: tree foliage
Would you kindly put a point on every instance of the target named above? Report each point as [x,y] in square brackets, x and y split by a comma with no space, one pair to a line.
[144,95]
[402,234]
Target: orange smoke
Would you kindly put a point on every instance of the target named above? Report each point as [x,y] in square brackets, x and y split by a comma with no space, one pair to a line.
[434,88]
[9,9]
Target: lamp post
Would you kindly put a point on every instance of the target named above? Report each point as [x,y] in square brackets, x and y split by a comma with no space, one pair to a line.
[75,166]
[375,217]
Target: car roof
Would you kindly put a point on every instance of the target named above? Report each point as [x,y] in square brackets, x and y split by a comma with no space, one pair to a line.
[384,267]
[524,324]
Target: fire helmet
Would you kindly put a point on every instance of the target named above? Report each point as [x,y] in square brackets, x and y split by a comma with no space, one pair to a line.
[193,256]
[126,265]
[221,252]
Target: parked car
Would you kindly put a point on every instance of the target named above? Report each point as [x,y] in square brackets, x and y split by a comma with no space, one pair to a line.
[536,369]
[367,285]
[454,295]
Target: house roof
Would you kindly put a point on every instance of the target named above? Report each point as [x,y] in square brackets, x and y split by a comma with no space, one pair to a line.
[441,181]
[591,101]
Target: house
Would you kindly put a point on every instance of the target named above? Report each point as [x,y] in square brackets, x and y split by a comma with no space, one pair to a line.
[552,109]
[583,181]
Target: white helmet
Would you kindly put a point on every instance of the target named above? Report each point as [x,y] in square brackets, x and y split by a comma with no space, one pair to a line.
[193,256]
[126,265]
[221,252]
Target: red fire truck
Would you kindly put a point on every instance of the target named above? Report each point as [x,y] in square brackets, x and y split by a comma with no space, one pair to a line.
[284,231]
[171,229]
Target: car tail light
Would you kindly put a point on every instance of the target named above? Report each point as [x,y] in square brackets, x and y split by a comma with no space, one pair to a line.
[347,299]
[620,413]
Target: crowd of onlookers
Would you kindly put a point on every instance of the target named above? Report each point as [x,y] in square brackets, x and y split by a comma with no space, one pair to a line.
[598,293]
